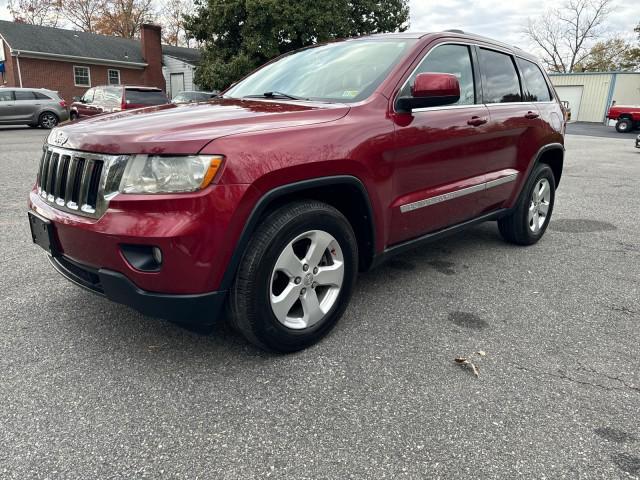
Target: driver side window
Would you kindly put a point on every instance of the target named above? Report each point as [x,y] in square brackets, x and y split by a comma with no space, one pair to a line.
[453,59]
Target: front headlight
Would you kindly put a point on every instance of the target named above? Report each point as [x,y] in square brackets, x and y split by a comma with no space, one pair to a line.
[170,174]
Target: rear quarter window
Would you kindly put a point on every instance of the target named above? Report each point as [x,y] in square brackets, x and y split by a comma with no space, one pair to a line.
[535,86]
[42,96]
[145,97]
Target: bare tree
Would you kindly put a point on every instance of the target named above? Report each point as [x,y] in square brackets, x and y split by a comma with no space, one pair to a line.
[35,12]
[83,14]
[172,21]
[123,18]
[565,34]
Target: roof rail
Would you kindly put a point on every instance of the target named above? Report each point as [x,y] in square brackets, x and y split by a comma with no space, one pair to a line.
[455,30]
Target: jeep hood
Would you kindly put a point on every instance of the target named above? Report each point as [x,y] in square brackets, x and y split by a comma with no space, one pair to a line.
[186,129]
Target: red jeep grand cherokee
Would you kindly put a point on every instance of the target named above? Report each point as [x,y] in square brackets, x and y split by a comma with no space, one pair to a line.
[319,164]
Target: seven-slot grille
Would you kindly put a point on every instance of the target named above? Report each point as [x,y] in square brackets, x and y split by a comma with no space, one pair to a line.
[75,181]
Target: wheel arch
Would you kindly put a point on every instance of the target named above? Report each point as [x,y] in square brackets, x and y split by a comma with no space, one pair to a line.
[346,193]
[552,155]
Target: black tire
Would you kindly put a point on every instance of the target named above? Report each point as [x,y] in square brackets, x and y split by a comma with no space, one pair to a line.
[48,120]
[516,227]
[624,125]
[252,314]
[73,116]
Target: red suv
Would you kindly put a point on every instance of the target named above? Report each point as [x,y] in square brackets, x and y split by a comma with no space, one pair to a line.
[114,98]
[323,162]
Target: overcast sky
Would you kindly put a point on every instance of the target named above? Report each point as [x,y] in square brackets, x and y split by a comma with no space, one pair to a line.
[503,20]
[499,19]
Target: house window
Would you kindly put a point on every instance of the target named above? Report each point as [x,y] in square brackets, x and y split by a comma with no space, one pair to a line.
[81,76]
[113,77]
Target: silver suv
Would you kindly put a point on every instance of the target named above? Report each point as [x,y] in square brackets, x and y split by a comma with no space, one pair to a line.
[32,106]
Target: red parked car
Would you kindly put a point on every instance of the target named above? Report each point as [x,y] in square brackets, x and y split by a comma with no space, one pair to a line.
[322,163]
[115,98]
[627,117]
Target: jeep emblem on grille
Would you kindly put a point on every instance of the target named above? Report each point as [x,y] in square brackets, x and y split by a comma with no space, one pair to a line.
[60,138]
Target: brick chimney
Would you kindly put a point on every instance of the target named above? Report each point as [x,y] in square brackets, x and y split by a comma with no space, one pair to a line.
[150,37]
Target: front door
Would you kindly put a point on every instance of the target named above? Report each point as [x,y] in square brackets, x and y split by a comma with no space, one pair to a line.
[6,106]
[440,154]
[177,83]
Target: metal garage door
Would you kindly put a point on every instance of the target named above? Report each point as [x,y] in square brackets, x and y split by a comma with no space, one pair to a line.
[573,95]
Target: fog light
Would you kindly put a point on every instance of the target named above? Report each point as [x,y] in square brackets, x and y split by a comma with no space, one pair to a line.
[143,257]
[157,255]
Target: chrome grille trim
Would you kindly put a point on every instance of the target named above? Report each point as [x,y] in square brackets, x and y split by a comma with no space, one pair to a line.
[79,182]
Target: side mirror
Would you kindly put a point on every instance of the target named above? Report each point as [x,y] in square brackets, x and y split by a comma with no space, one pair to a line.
[431,90]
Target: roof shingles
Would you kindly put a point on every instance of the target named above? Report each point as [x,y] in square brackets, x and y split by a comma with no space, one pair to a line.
[58,41]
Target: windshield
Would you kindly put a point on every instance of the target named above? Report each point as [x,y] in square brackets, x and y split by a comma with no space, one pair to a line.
[343,72]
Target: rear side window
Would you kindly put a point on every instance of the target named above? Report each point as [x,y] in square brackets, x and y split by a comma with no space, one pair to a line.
[535,86]
[6,95]
[24,95]
[453,59]
[145,97]
[500,79]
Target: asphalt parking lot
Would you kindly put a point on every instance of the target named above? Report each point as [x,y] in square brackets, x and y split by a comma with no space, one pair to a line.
[93,390]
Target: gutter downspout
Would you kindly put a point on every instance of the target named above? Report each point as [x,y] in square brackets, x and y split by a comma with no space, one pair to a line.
[19,72]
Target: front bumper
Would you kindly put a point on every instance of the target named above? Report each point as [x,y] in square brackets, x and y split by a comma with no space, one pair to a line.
[195,309]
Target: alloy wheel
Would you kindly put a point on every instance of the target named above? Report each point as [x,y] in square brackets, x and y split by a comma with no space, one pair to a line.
[48,120]
[306,279]
[539,205]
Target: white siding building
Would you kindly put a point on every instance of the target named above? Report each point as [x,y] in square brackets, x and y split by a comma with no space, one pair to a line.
[591,94]
[178,67]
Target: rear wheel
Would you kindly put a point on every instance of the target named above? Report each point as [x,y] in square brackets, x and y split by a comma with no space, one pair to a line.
[624,125]
[48,120]
[529,220]
[296,277]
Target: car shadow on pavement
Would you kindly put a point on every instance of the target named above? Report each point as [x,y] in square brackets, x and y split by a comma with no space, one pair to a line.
[138,335]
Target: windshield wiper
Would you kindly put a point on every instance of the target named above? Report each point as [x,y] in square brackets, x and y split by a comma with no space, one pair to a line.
[276,94]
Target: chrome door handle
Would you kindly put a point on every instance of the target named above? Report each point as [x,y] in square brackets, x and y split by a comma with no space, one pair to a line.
[531,115]
[477,121]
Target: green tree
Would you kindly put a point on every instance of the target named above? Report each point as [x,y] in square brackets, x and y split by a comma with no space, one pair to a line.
[239,35]
[615,54]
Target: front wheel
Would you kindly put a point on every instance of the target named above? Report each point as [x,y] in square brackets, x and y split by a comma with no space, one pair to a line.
[526,224]
[296,277]
[624,125]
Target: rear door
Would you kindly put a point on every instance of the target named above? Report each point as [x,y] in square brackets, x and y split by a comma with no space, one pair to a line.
[513,126]
[440,151]
[25,108]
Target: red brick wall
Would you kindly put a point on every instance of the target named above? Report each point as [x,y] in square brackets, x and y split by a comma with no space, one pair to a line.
[151,43]
[58,76]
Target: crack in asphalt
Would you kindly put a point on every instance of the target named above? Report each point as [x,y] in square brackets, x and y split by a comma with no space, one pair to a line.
[564,376]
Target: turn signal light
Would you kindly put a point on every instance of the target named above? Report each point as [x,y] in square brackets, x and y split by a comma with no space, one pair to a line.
[214,166]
